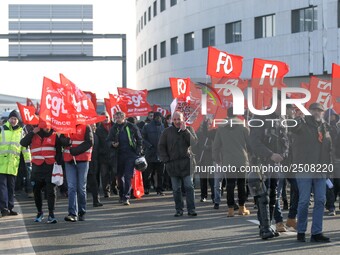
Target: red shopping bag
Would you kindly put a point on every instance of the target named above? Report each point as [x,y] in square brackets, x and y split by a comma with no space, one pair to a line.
[137,184]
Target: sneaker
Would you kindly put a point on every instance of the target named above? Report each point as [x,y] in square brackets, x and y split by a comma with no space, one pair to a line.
[203,200]
[97,204]
[216,206]
[12,213]
[301,237]
[332,213]
[319,238]
[39,218]
[178,214]
[192,213]
[127,202]
[81,217]
[51,219]
[71,218]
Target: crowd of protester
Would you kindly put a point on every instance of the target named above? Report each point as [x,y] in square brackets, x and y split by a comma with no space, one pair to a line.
[100,159]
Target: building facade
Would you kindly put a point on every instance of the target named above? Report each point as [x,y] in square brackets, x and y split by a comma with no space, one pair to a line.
[173,36]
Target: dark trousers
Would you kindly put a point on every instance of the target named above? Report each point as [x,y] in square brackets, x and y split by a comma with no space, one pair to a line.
[108,176]
[271,184]
[204,187]
[241,191]
[125,172]
[154,168]
[93,184]
[41,178]
[7,186]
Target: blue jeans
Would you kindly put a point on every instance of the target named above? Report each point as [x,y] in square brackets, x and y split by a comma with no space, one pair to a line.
[189,191]
[294,199]
[318,185]
[218,178]
[76,182]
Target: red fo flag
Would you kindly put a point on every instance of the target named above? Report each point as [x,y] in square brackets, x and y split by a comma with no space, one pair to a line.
[118,104]
[56,111]
[84,108]
[267,74]
[138,104]
[28,115]
[320,92]
[336,87]
[180,88]
[222,64]
[157,108]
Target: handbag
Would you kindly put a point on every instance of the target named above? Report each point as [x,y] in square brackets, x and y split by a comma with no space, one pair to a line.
[137,184]
[57,175]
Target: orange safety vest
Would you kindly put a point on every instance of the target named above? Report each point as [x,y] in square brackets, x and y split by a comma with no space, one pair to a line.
[76,139]
[43,149]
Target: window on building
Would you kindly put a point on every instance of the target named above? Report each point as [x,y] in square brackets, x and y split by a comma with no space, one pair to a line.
[155,52]
[163,6]
[174,45]
[141,23]
[145,18]
[208,38]
[149,13]
[141,61]
[155,8]
[189,40]
[305,19]
[339,13]
[149,55]
[233,32]
[265,26]
[173,2]
[145,60]
[163,49]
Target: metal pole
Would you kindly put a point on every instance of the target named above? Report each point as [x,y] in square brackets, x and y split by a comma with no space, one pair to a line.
[124,61]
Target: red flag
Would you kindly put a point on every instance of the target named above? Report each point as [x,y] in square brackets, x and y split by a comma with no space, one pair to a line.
[222,64]
[336,87]
[157,108]
[84,109]
[118,104]
[180,88]
[93,97]
[55,110]
[138,104]
[28,114]
[320,92]
[108,107]
[267,74]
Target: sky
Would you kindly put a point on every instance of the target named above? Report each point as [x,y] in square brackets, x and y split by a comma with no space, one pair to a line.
[109,16]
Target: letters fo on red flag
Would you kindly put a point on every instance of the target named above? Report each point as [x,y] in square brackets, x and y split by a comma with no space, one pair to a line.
[222,64]
[28,115]
[180,88]
[320,92]
[55,110]
[83,106]
[138,104]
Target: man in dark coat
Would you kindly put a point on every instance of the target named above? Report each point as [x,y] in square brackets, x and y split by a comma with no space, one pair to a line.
[175,151]
[151,134]
[311,146]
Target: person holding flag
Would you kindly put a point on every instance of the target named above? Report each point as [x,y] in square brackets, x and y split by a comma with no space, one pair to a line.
[45,150]
[77,155]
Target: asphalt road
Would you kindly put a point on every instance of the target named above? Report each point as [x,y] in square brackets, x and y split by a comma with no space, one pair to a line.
[147,226]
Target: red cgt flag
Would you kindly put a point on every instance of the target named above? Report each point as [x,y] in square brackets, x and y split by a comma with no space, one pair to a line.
[56,111]
[180,88]
[83,107]
[138,104]
[28,115]
[222,64]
